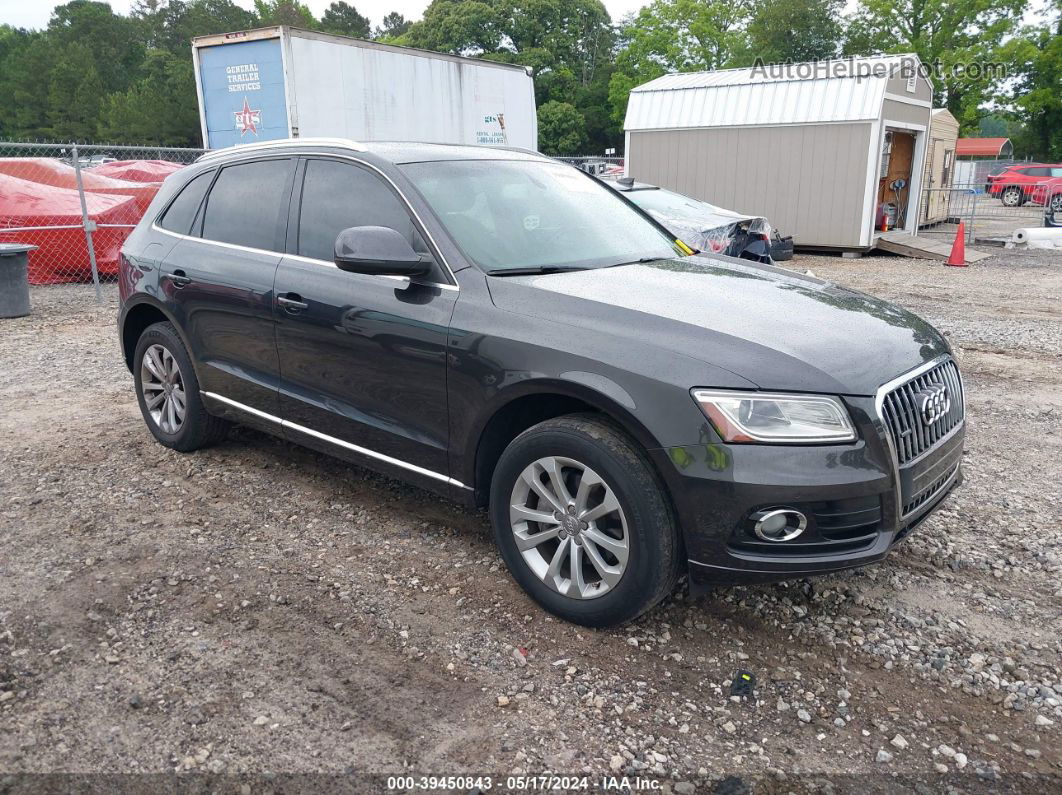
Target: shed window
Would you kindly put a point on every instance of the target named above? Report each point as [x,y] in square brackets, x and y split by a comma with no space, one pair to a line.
[912,84]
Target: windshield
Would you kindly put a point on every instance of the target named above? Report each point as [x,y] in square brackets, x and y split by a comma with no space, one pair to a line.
[529,215]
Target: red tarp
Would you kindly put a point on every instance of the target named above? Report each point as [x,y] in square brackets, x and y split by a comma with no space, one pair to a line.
[63,253]
[137,170]
[49,171]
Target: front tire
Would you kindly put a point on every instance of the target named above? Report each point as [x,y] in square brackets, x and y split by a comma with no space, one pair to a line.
[168,392]
[583,522]
[1055,204]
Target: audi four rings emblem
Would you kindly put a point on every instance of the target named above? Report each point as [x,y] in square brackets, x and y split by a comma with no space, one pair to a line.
[933,402]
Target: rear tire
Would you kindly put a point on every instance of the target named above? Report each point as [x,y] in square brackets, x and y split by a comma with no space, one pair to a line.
[1012,196]
[1055,205]
[168,392]
[626,550]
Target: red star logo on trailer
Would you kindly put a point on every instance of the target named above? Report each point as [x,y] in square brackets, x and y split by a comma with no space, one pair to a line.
[247,120]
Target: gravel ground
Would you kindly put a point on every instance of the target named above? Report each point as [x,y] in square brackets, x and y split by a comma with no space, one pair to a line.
[258,608]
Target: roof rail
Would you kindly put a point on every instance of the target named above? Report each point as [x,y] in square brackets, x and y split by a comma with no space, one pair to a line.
[346,143]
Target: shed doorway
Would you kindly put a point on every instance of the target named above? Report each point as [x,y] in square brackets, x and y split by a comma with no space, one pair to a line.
[898,152]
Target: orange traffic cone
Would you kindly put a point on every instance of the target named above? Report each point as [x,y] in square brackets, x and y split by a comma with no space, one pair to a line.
[958,248]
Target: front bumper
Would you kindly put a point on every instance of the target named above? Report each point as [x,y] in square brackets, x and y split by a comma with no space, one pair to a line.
[859,504]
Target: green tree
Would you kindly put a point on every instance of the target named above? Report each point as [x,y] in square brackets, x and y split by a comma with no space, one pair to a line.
[172,24]
[392,26]
[11,38]
[560,129]
[784,31]
[678,36]
[1034,97]
[159,108]
[461,27]
[284,12]
[25,67]
[343,18]
[111,42]
[602,130]
[75,94]
[948,33]
[572,35]
[553,34]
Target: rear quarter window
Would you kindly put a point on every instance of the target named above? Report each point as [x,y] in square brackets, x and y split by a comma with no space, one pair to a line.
[182,210]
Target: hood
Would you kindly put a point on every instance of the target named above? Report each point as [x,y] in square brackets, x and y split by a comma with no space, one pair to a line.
[778,329]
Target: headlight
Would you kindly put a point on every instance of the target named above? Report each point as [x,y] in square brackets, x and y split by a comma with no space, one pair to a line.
[777,419]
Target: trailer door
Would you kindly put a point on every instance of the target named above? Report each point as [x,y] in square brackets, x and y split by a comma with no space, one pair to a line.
[242,90]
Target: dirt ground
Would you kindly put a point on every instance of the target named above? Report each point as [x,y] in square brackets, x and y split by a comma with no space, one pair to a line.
[258,609]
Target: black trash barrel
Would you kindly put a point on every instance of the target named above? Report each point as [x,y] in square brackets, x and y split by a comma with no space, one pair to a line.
[14,279]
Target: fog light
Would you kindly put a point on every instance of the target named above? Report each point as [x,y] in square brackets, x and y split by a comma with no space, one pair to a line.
[778,524]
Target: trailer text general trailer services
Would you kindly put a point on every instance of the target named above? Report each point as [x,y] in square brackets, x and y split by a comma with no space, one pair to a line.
[281,82]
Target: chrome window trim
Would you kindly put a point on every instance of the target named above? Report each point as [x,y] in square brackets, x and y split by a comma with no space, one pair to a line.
[405,199]
[346,143]
[365,451]
[235,246]
[879,404]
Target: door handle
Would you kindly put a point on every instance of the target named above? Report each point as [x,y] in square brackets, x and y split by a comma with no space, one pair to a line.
[292,302]
[178,278]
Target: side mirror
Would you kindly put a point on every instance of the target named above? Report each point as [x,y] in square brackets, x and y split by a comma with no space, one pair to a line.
[378,251]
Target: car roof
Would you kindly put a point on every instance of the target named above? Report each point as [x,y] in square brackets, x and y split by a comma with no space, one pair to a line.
[392,151]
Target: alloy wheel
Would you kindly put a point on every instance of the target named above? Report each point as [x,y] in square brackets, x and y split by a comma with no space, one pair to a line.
[162,386]
[1056,203]
[569,527]
[1011,197]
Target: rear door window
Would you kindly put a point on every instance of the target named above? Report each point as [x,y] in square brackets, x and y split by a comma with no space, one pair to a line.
[182,210]
[336,196]
[245,205]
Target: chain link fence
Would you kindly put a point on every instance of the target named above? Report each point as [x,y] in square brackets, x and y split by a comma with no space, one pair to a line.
[976,172]
[78,203]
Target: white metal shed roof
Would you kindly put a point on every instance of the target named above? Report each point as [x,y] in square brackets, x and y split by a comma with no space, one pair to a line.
[850,89]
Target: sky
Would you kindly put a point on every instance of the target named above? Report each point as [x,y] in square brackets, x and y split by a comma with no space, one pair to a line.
[36,13]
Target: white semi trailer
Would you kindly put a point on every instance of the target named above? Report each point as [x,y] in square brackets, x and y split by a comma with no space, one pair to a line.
[281,82]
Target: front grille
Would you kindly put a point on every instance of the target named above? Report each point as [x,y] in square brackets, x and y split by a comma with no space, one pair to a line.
[902,416]
[929,493]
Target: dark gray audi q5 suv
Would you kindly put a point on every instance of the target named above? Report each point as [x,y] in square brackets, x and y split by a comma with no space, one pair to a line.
[506,331]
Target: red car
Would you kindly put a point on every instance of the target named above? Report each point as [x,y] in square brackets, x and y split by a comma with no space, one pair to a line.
[1048,194]
[1013,186]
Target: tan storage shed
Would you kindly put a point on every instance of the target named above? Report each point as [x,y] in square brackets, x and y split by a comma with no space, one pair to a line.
[817,148]
[940,167]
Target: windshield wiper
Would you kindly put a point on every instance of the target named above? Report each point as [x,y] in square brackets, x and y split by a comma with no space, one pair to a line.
[639,261]
[538,269]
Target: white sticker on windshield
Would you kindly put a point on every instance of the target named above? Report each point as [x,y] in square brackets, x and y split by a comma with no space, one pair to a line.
[531,222]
